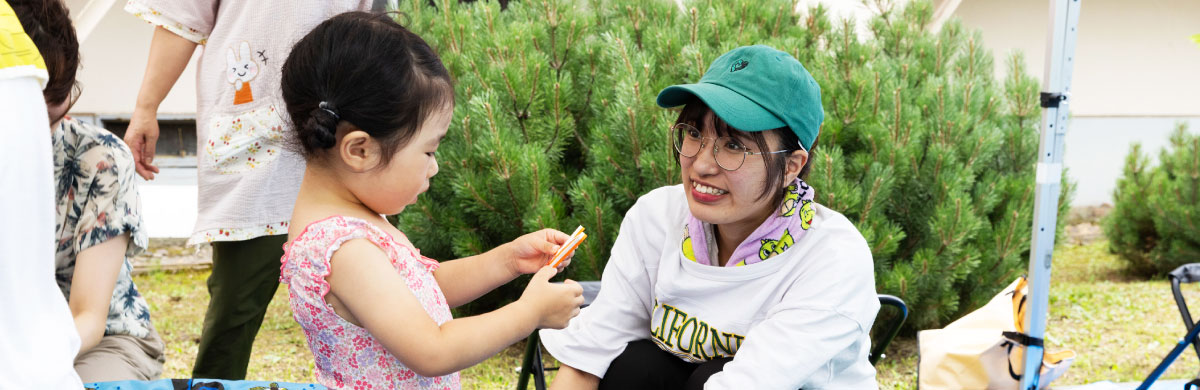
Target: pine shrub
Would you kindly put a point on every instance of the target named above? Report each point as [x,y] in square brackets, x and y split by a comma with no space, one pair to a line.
[1153,224]
[556,126]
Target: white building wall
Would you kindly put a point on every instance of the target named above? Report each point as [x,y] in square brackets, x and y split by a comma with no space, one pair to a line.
[114,57]
[1134,58]
[1136,74]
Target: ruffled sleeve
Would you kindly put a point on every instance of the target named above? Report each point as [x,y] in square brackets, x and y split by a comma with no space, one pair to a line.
[192,19]
[306,261]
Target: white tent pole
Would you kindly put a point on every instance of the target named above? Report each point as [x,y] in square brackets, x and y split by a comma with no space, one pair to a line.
[89,16]
[1056,88]
[942,12]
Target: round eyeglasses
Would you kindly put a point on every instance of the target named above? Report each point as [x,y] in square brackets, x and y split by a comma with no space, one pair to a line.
[729,153]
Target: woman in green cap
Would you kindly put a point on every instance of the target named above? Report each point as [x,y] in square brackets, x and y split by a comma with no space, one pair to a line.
[734,278]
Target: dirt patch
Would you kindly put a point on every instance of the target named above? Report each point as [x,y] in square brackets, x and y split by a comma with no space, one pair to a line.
[1083,224]
[1088,214]
[172,254]
[1084,233]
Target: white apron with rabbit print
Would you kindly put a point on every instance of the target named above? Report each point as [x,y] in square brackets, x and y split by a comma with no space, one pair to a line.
[248,179]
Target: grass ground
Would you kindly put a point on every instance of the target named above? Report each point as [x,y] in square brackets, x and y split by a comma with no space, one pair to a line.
[1120,328]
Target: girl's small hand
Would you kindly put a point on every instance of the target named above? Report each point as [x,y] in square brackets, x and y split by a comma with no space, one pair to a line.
[531,252]
[554,304]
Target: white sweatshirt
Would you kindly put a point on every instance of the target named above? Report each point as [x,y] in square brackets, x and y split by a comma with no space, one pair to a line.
[798,320]
[39,342]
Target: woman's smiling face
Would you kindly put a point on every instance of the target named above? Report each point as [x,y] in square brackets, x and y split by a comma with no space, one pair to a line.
[720,196]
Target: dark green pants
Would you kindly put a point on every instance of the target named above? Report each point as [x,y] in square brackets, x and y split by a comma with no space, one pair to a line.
[244,278]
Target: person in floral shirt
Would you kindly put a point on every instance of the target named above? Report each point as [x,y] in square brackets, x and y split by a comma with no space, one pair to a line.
[98,225]
[98,228]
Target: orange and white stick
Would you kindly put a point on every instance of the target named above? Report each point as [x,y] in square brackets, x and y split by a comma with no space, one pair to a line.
[578,230]
[567,249]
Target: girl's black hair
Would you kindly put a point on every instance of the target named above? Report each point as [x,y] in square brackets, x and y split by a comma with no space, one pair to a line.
[693,113]
[369,71]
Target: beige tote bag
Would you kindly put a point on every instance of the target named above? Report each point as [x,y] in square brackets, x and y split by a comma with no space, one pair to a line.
[985,349]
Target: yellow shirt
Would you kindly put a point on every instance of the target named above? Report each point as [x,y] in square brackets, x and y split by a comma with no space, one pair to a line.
[18,55]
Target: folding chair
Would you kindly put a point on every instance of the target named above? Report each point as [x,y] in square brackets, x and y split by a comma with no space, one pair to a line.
[532,364]
[891,326]
[1187,273]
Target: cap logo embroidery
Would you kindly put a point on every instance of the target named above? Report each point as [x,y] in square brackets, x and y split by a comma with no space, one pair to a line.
[739,65]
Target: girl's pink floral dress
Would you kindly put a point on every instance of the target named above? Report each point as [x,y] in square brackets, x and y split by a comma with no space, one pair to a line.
[346,355]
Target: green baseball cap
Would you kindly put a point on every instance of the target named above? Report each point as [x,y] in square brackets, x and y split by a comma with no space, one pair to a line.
[757,88]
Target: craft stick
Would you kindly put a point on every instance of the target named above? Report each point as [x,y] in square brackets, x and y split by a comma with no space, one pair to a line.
[568,248]
[572,238]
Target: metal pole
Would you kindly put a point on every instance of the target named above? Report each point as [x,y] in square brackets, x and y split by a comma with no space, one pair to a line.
[1060,53]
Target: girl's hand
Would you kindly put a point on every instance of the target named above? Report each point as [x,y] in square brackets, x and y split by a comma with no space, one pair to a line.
[529,253]
[554,304]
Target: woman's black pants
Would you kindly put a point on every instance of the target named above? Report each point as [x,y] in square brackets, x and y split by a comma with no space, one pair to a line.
[644,365]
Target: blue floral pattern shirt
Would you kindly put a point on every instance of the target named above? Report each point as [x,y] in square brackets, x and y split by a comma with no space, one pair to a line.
[97,200]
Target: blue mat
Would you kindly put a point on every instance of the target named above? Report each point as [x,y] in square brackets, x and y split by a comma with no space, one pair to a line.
[1161,384]
[200,384]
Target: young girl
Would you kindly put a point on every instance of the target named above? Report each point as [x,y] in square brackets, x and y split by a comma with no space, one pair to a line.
[735,279]
[371,102]
[245,179]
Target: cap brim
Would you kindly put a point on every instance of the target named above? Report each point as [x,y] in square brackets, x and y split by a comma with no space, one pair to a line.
[733,108]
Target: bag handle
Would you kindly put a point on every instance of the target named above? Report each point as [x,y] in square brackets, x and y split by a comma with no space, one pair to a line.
[1019,297]
[1023,339]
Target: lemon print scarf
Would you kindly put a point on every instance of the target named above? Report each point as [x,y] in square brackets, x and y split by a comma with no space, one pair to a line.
[779,232]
